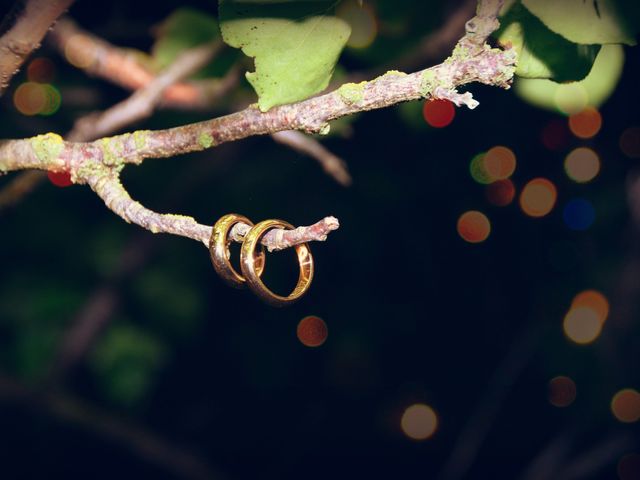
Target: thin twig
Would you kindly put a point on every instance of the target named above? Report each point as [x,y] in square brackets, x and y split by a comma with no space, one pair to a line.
[478,425]
[26,25]
[333,165]
[141,104]
[125,68]
[117,199]
[138,440]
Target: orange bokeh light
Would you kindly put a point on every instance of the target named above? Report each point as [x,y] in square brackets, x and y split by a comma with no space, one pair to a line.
[582,164]
[362,20]
[499,162]
[312,331]
[582,325]
[562,391]
[500,193]
[419,421]
[538,197]
[474,226]
[625,405]
[585,124]
[30,98]
[594,300]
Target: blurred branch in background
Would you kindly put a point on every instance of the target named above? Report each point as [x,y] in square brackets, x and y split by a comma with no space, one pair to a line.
[24,28]
[139,441]
[142,102]
[480,421]
[124,67]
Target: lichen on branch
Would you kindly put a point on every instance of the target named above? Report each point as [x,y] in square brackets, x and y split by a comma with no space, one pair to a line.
[99,163]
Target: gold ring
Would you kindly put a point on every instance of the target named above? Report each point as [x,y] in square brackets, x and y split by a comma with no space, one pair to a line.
[251,274]
[219,250]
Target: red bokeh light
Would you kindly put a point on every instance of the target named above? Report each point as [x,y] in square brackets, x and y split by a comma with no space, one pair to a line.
[438,113]
[60,179]
[312,331]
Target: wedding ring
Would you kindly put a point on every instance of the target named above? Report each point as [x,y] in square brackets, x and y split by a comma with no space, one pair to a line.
[219,251]
[249,263]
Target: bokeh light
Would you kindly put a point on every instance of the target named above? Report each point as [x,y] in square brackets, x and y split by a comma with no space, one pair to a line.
[571,98]
[630,142]
[438,113]
[555,135]
[312,331]
[60,179]
[500,193]
[419,421]
[499,162]
[29,98]
[629,467]
[474,226]
[362,20]
[477,170]
[585,124]
[562,391]
[582,325]
[578,214]
[595,300]
[538,197]
[41,70]
[625,405]
[32,98]
[582,164]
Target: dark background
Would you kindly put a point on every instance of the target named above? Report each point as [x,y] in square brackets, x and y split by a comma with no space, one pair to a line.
[415,314]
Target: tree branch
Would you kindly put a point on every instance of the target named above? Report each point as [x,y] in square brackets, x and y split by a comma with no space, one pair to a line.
[98,163]
[332,165]
[142,103]
[24,28]
[117,199]
[125,68]
[139,441]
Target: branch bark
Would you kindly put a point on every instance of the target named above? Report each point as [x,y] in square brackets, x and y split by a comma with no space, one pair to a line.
[99,163]
[25,27]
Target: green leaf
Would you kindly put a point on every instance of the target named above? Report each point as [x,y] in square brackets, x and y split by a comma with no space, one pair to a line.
[541,52]
[295,45]
[185,28]
[589,21]
[572,97]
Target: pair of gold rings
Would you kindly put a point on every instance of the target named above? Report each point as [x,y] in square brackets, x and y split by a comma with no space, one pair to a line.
[252,259]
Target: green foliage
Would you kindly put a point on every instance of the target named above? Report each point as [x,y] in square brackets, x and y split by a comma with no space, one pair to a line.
[125,360]
[541,52]
[589,21]
[187,28]
[295,46]
[572,97]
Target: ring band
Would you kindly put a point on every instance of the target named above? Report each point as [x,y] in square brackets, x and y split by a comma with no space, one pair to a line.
[249,263]
[219,251]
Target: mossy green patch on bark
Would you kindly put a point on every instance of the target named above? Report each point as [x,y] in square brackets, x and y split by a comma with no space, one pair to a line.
[394,73]
[140,139]
[352,93]
[47,147]
[428,83]
[112,150]
[205,140]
